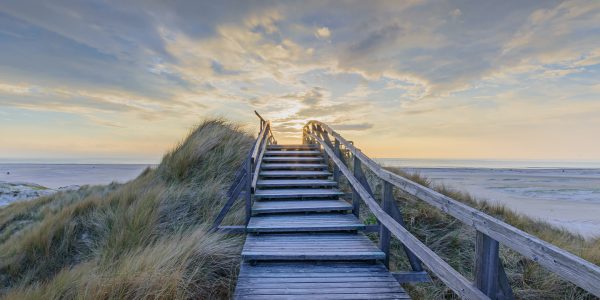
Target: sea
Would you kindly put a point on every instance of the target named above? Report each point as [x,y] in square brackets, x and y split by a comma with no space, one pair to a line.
[563,193]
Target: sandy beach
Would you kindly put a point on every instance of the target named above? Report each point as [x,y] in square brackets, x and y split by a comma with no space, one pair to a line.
[568,198]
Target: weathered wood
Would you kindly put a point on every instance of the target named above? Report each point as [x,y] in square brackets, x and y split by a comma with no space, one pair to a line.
[304,223]
[293,159]
[322,280]
[295,183]
[295,174]
[297,193]
[234,196]
[408,277]
[258,142]
[486,264]
[258,162]
[384,233]
[454,280]
[414,261]
[288,206]
[355,195]
[292,166]
[307,246]
[248,198]
[336,169]
[565,264]
[505,291]
[292,153]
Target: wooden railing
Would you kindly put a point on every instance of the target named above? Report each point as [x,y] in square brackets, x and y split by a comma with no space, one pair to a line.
[490,278]
[246,177]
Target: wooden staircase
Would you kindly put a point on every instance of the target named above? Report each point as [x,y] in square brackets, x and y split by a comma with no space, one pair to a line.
[303,241]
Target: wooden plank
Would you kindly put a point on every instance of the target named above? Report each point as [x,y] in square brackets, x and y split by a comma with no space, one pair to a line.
[297,193]
[295,183]
[565,264]
[304,223]
[306,246]
[293,153]
[292,158]
[486,264]
[258,162]
[234,196]
[262,207]
[272,166]
[352,296]
[294,174]
[294,147]
[408,277]
[454,280]
[311,280]
[384,233]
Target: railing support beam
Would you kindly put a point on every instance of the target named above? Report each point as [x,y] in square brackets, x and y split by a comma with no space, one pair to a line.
[384,233]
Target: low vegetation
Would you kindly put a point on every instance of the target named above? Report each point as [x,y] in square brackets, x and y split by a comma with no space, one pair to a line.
[455,243]
[147,238]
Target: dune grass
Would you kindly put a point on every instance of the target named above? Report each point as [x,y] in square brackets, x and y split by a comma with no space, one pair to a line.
[455,243]
[147,238]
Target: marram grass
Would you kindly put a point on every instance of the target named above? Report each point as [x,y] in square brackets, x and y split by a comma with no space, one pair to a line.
[145,239]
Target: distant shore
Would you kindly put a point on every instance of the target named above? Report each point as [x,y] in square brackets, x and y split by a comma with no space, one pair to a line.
[20,182]
[564,197]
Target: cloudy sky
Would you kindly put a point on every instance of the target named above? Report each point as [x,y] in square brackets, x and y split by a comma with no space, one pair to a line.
[125,80]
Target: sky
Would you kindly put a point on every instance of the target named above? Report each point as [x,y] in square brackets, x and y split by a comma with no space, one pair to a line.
[124,81]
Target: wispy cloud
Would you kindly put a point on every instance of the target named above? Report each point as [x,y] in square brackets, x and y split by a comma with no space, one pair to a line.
[432,67]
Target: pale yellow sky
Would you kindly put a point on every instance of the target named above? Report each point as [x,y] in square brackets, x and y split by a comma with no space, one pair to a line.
[425,79]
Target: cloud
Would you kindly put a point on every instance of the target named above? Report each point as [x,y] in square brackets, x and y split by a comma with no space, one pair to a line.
[323,33]
[358,126]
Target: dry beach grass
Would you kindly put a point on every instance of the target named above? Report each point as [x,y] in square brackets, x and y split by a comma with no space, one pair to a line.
[148,238]
[144,239]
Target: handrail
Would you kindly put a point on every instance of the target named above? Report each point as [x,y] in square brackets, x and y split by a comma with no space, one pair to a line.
[245,179]
[443,270]
[565,264]
[261,153]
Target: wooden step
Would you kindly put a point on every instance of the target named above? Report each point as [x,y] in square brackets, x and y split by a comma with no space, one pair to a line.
[304,223]
[288,206]
[293,147]
[312,280]
[293,159]
[297,193]
[292,166]
[270,183]
[292,153]
[294,174]
[310,246]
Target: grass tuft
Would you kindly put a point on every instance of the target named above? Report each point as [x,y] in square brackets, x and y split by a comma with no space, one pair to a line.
[146,238]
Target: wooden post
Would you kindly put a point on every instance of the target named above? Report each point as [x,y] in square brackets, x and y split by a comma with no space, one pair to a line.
[384,233]
[336,169]
[355,196]
[486,264]
[249,173]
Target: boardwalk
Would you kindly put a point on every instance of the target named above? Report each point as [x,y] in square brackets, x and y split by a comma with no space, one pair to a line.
[303,240]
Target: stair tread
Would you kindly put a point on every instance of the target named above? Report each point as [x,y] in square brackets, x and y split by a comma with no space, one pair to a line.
[303,222]
[288,193]
[294,173]
[292,158]
[270,166]
[295,182]
[310,246]
[278,206]
[292,152]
